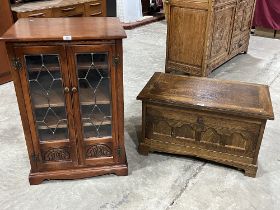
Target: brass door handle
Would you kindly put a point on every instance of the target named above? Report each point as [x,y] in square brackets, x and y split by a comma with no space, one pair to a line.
[66,90]
[74,90]
[95,4]
[37,15]
[166,1]
[94,14]
[68,9]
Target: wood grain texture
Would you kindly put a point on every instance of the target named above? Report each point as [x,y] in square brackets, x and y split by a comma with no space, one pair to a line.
[244,99]
[38,29]
[39,177]
[74,156]
[182,39]
[6,21]
[200,117]
[203,35]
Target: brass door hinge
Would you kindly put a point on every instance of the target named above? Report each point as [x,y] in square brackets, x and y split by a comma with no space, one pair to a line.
[116,60]
[16,64]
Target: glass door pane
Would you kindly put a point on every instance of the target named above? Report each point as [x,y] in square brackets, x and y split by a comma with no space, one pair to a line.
[47,96]
[95,94]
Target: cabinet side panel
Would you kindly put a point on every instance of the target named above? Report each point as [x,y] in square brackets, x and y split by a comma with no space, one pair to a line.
[186,38]
[22,109]
[120,101]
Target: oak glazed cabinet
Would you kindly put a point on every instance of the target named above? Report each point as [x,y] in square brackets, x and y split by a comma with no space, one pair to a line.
[69,88]
[204,34]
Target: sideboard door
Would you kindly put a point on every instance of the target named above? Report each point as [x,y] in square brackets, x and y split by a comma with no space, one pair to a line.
[243,16]
[242,24]
[186,35]
[221,32]
[45,86]
[94,101]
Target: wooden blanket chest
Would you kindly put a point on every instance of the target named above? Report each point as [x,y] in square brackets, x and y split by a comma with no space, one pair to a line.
[222,121]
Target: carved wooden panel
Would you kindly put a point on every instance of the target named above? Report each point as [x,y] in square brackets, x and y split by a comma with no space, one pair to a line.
[237,27]
[237,43]
[57,154]
[243,17]
[98,150]
[247,17]
[222,31]
[211,132]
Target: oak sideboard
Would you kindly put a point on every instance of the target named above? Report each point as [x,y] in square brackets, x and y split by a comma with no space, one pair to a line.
[203,34]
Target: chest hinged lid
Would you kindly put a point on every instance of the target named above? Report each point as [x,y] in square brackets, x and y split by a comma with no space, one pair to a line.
[237,98]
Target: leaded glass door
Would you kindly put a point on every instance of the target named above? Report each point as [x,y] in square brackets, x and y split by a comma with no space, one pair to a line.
[46,90]
[94,102]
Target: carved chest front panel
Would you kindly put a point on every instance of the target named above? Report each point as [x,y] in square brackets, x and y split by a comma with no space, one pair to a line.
[198,129]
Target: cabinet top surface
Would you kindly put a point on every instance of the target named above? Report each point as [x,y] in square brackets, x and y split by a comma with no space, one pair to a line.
[238,98]
[59,29]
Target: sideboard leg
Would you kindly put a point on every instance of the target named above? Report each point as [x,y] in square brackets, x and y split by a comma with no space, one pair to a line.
[35,180]
[251,171]
[143,149]
[121,172]
[167,70]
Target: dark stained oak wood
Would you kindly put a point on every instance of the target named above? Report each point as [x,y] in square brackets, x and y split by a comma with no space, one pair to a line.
[246,99]
[79,28]
[222,121]
[202,34]
[38,178]
[6,21]
[74,153]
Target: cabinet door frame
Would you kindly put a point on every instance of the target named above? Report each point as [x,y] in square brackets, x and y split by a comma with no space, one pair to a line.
[197,13]
[72,50]
[37,156]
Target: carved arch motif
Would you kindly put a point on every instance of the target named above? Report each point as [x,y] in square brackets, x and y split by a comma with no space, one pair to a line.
[211,136]
[57,154]
[98,150]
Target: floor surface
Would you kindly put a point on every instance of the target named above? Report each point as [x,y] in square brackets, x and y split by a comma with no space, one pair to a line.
[158,181]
